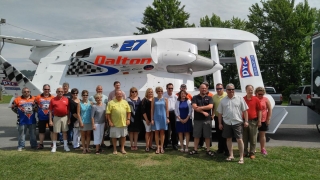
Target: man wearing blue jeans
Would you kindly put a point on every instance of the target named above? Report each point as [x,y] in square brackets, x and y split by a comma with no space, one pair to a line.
[24,106]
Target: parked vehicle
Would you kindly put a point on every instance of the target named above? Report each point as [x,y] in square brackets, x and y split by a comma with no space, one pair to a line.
[301,96]
[276,96]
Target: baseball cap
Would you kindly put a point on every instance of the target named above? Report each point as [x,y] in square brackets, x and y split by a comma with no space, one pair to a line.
[183,86]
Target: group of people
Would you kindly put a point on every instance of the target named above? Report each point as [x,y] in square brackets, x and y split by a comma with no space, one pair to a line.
[165,116]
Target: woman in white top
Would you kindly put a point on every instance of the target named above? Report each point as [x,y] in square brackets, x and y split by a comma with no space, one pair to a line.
[183,112]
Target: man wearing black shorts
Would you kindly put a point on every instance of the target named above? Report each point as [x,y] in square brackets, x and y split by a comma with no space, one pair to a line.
[202,105]
[231,109]
[42,102]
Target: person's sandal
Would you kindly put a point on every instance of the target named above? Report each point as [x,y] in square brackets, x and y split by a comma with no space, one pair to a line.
[230,159]
[158,150]
[98,152]
[147,149]
[241,161]
[84,151]
[210,153]
[181,150]
[40,146]
[193,152]
[161,150]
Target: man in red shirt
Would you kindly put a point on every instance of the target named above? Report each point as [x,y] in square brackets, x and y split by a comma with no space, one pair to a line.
[254,120]
[59,110]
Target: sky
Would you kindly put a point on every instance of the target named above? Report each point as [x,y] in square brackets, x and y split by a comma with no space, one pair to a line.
[79,19]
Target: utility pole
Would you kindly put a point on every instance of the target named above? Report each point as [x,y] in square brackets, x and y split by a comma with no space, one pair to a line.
[2,21]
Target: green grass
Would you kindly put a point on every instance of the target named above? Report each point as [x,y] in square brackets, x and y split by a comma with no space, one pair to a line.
[281,163]
[5,99]
[285,103]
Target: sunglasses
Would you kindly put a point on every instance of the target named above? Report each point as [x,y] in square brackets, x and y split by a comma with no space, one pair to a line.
[75,93]
[26,91]
[46,89]
[170,88]
[218,89]
[133,91]
[85,95]
[230,89]
[260,94]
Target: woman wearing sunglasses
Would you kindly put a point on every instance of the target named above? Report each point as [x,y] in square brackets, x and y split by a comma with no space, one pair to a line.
[265,119]
[135,119]
[160,118]
[84,116]
[74,101]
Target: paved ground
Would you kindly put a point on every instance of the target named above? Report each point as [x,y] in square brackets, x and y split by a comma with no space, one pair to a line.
[287,135]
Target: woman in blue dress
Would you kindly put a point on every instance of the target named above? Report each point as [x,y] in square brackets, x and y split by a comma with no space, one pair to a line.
[183,112]
[160,118]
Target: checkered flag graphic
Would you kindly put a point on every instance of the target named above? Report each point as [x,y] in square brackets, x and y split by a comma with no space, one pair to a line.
[78,67]
[12,74]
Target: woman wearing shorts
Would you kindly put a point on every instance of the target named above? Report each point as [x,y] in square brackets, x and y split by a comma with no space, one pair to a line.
[98,119]
[84,116]
[183,112]
[146,113]
[265,119]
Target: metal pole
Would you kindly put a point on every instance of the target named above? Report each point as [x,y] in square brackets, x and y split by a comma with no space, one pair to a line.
[2,21]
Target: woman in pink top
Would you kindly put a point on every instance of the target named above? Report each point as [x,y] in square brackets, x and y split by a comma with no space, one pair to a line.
[265,119]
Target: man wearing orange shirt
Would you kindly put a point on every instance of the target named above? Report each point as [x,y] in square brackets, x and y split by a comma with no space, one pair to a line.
[184,87]
[42,102]
[24,106]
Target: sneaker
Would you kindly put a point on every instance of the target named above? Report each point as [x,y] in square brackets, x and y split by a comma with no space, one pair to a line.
[19,148]
[66,148]
[184,142]
[54,149]
[264,152]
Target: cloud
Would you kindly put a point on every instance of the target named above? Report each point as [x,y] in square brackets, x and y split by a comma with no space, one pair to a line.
[79,19]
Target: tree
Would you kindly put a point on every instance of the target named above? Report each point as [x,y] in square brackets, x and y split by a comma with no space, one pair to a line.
[229,72]
[165,14]
[283,49]
[317,22]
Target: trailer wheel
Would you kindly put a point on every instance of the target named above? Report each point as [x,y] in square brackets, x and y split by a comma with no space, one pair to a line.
[301,103]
